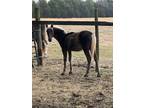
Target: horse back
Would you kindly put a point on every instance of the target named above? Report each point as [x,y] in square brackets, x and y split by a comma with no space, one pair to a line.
[72,42]
[78,41]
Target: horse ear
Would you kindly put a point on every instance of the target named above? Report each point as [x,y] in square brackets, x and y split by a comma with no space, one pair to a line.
[46,25]
[52,25]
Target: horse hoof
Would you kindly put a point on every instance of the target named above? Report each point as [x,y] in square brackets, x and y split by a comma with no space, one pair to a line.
[70,73]
[98,75]
[62,74]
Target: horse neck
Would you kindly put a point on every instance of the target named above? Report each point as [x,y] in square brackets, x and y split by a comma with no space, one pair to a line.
[59,36]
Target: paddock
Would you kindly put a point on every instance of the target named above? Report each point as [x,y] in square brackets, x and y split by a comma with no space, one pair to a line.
[51,90]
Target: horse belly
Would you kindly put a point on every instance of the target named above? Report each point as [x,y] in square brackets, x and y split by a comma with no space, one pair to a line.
[76,46]
[73,42]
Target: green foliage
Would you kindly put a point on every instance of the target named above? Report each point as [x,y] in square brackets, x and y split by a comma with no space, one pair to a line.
[33,8]
[73,8]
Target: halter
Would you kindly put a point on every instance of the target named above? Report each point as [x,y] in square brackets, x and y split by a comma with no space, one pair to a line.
[52,30]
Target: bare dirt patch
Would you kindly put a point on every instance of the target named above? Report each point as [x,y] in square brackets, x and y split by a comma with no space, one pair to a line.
[55,91]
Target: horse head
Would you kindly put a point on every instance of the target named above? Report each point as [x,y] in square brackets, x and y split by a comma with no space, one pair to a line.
[50,32]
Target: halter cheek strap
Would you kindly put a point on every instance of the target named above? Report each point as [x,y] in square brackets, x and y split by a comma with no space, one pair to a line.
[52,31]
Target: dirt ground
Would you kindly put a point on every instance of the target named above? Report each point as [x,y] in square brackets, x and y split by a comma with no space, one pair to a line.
[51,90]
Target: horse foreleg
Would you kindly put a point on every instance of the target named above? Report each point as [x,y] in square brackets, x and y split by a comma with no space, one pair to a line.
[88,56]
[65,60]
[70,55]
[96,65]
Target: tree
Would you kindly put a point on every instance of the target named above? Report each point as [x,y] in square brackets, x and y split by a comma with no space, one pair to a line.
[90,6]
[33,8]
[73,8]
[43,8]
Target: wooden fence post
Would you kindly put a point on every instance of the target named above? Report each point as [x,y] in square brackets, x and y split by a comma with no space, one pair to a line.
[38,34]
[97,33]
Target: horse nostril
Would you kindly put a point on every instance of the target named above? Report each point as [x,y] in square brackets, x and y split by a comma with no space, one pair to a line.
[50,40]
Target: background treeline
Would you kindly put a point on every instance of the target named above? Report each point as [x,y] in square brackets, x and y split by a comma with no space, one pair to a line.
[73,8]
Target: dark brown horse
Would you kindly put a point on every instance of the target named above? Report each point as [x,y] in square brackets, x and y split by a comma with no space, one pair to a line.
[72,41]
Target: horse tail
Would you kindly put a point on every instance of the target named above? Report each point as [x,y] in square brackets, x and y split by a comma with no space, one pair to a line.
[93,45]
[44,39]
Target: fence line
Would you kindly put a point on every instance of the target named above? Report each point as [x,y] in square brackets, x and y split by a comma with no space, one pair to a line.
[37,22]
[87,23]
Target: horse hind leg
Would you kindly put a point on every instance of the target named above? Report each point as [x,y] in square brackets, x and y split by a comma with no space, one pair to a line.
[45,48]
[70,56]
[88,56]
[96,65]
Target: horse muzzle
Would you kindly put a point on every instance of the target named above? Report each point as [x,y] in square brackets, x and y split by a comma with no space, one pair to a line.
[49,40]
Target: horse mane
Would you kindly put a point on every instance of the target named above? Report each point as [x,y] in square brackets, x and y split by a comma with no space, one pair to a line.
[69,33]
[58,27]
